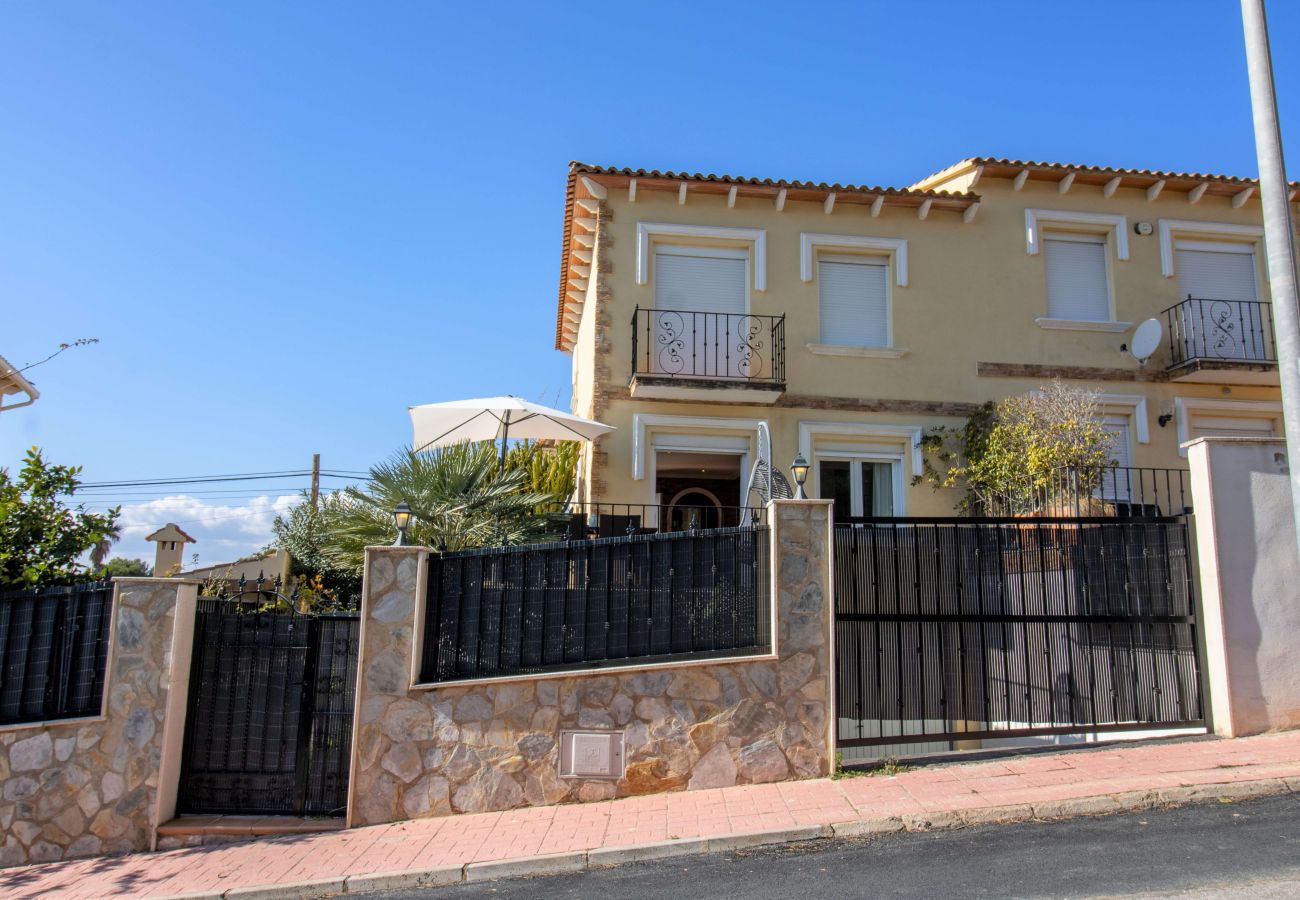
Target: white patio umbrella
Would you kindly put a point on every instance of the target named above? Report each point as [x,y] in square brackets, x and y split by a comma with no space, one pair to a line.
[490,418]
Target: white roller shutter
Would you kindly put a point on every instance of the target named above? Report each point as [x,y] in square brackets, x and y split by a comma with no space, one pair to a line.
[1216,271]
[1117,484]
[1077,285]
[1233,426]
[1220,320]
[699,279]
[854,298]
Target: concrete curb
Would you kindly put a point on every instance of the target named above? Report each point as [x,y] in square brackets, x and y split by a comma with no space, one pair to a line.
[556,863]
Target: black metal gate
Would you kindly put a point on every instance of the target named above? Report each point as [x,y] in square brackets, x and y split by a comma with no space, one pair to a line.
[269,730]
[967,629]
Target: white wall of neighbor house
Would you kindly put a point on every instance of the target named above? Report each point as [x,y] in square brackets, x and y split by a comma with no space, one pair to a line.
[1249,572]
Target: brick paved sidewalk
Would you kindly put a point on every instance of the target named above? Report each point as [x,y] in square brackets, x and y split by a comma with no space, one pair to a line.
[1033,786]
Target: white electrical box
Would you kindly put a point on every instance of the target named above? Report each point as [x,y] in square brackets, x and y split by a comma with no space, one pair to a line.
[591,754]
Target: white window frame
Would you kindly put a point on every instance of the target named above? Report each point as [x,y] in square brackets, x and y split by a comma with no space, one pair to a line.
[905,437]
[888,351]
[1114,226]
[1187,407]
[811,243]
[641,443]
[1134,408]
[648,233]
[706,252]
[1173,229]
[855,476]
[1109,325]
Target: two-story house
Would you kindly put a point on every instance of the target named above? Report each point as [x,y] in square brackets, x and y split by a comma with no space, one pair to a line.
[851,319]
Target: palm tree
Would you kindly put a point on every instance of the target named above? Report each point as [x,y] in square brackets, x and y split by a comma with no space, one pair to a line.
[458,494]
[99,550]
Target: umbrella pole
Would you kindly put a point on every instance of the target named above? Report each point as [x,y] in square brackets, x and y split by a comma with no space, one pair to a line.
[505,436]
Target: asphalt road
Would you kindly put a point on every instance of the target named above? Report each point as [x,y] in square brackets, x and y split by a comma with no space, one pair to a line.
[1251,848]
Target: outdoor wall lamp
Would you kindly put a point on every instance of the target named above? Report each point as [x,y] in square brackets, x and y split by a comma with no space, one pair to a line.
[799,469]
[1164,420]
[402,517]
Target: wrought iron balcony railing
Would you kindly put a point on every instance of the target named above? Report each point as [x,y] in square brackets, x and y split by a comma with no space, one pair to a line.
[1202,329]
[675,343]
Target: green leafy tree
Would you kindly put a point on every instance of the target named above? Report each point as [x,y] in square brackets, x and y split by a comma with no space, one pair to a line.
[1008,453]
[42,537]
[125,568]
[305,534]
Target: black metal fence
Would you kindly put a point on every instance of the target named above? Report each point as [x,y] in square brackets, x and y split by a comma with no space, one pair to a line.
[269,730]
[53,652]
[1099,491]
[1220,330]
[585,604]
[686,344]
[960,629]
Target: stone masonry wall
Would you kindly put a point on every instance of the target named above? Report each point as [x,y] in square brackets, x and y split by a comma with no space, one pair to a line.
[493,746]
[90,786]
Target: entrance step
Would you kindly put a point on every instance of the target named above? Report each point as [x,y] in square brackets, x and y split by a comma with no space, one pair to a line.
[198,831]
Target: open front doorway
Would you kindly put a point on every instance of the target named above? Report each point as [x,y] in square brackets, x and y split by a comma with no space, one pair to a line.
[698,489]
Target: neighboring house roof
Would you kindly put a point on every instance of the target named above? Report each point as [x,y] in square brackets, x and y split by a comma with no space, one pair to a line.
[1052,171]
[584,177]
[171,532]
[13,382]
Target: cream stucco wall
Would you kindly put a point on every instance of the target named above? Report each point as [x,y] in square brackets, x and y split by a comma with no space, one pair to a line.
[972,297]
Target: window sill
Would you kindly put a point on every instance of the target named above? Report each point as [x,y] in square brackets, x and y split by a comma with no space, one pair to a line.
[1083,325]
[861,352]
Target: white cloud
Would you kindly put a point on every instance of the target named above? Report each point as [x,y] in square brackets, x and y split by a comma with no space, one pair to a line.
[222,532]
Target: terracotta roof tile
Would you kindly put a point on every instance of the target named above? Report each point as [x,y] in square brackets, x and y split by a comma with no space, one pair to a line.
[1096,170]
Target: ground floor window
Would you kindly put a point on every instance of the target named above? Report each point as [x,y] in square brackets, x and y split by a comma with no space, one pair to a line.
[859,487]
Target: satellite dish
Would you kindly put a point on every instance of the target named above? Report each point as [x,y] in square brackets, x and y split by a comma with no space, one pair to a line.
[1146,338]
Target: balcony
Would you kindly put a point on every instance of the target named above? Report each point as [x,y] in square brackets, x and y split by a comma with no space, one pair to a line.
[729,357]
[1221,342]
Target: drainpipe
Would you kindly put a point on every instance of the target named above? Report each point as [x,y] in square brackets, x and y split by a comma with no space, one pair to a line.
[1279,231]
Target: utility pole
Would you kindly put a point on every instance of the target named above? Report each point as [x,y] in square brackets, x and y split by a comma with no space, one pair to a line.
[1279,231]
[315,480]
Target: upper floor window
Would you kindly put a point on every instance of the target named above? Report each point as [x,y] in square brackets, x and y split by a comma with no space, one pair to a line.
[1216,270]
[1078,278]
[853,295]
[701,279]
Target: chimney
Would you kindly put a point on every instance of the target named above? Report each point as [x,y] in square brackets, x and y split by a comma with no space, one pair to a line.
[170,553]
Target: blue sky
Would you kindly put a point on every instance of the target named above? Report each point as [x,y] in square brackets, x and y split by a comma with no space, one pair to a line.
[286,222]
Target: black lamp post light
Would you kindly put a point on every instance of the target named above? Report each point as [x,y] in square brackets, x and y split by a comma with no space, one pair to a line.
[402,518]
[799,469]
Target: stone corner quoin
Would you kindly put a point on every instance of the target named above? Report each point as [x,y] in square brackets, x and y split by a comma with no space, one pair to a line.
[489,747]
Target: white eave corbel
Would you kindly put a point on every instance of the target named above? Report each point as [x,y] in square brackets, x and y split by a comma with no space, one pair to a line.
[631,190]
[877,205]
[582,255]
[1239,200]
[585,222]
[924,210]
[681,194]
[1154,191]
[584,238]
[596,190]
[1018,182]
[1109,189]
[1196,193]
[589,204]
[1063,186]
[731,197]
[829,203]
[969,215]
[780,200]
